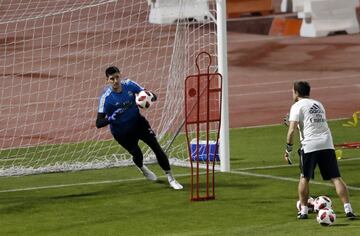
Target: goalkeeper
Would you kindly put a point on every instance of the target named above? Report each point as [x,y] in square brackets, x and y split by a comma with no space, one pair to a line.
[117,107]
[317,147]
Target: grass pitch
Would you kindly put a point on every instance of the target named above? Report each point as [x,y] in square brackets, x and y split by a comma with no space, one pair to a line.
[257,198]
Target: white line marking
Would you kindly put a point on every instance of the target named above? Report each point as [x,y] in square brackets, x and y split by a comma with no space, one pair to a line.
[82,184]
[286,165]
[70,185]
[264,167]
[11,159]
[286,179]
[236,171]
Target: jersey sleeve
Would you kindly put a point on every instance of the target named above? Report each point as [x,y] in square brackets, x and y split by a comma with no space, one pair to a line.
[101,107]
[102,99]
[294,113]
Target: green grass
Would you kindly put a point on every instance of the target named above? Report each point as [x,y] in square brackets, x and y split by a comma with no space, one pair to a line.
[119,201]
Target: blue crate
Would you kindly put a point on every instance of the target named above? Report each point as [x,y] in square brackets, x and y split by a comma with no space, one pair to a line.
[202,150]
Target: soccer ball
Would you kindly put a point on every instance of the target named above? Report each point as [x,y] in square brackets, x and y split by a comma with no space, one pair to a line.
[326,217]
[322,202]
[144,99]
[310,204]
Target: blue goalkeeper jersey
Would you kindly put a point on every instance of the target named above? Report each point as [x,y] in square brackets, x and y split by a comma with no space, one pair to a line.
[110,101]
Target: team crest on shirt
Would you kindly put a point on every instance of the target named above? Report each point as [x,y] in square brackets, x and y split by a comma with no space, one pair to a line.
[130,93]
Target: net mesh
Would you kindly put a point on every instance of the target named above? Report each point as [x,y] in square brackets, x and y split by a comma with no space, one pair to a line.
[52,73]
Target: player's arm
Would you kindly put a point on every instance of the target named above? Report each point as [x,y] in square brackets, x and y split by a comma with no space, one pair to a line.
[290,141]
[291,131]
[101,120]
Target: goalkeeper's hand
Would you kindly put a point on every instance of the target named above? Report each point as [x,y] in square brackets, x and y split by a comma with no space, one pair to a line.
[115,115]
[287,155]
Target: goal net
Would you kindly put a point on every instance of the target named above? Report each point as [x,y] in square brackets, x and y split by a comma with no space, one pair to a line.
[54,54]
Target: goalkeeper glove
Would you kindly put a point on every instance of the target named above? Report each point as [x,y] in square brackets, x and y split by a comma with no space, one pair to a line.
[115,115]
[288,152]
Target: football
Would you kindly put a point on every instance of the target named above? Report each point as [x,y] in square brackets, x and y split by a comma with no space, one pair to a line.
[310,204]
[326,217]
[144,99]
[322,202]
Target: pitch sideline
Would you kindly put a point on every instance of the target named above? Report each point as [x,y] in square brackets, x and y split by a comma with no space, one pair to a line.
[286,165]
[82,184]
[236,171]
[286,179]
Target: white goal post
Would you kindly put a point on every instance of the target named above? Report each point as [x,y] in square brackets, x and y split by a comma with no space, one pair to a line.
[54,55]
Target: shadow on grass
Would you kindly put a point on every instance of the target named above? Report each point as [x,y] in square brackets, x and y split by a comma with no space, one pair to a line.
[338,225]
[79,195]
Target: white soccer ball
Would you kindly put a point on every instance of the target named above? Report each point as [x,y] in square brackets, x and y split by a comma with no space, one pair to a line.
[322,202]
[310,204]
[144,99]
[311,201]
[326,217]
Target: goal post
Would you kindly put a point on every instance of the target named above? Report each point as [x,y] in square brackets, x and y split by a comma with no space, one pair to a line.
[52,73]
[224,148]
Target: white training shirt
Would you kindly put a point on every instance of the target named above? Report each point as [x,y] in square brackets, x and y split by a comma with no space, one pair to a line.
[314,131]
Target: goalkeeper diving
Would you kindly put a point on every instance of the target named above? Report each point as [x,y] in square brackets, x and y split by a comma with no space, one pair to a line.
[118,109]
